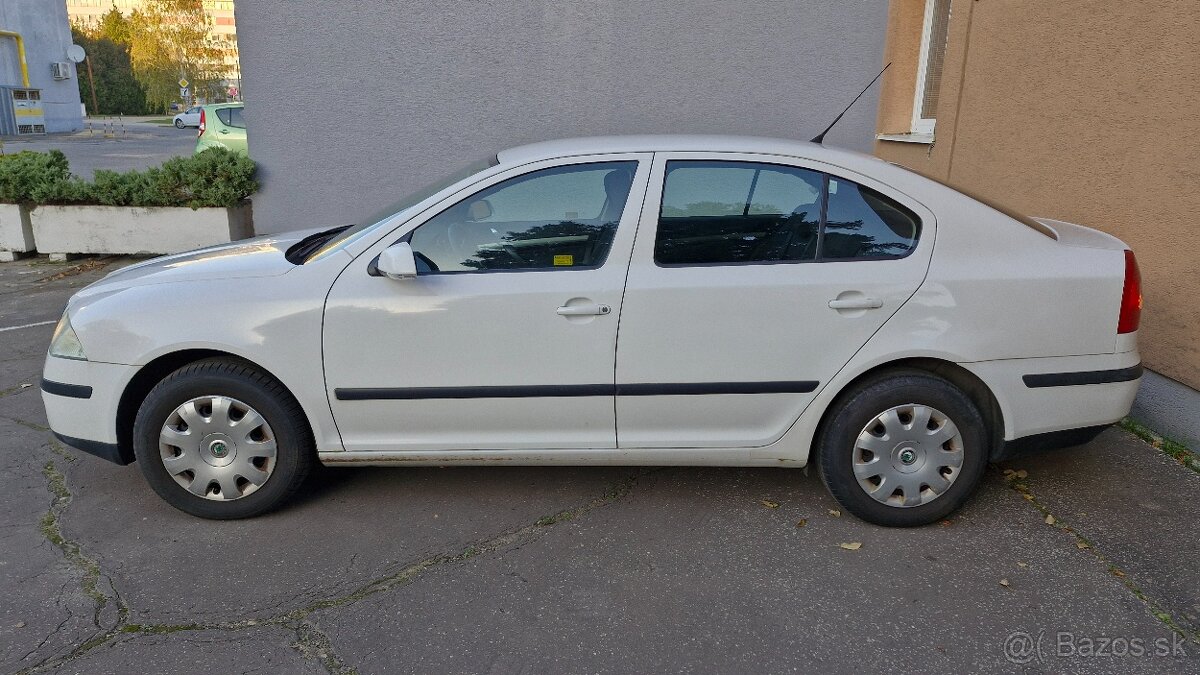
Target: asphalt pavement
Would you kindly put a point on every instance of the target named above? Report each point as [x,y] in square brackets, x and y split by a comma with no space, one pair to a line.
[119,144]
[1081,560]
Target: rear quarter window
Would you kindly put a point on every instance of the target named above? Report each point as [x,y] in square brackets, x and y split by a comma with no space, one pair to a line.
[863,223]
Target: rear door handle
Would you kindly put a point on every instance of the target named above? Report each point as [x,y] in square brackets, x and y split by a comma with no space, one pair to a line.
[856,303]
[583,310]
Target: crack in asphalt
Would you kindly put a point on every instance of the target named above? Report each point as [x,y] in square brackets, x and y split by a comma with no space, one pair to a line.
[1086,545]
[311,642]
[314,645]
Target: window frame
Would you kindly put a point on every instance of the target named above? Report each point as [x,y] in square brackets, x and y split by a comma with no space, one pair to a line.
[925,125]
[464,195]
[826,173]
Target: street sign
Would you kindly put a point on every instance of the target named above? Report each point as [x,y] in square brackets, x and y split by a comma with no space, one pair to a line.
[183,92]
[183,83]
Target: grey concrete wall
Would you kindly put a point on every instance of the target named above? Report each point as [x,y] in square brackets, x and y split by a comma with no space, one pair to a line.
[47,33]
[1169,407]
[352,104]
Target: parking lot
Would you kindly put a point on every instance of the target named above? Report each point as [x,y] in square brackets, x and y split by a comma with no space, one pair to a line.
[119,144]
[1084,559]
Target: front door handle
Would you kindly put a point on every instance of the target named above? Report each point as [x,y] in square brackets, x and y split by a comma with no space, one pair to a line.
[855,303]
[583,310]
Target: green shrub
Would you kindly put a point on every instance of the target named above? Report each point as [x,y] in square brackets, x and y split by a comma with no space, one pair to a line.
[26,175]
[214,177]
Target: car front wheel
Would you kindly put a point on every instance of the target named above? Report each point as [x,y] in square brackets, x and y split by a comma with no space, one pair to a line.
[904,450]
[219,439]
[178,124]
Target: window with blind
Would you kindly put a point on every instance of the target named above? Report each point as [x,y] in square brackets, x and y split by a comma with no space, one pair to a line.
[929,69]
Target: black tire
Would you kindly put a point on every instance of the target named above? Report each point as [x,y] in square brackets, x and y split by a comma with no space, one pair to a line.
[295,452]
[852,412]
[178,124]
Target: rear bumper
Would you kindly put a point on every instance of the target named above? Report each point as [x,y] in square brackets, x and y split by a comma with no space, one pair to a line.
[81,399]
[1039,397]
[1052,440]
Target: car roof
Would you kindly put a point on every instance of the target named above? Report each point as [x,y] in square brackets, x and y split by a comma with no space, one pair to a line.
[862,163]
[677,143]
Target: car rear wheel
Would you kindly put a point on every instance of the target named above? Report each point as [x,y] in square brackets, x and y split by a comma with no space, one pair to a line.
[219,439]
[178,124]
[904,450]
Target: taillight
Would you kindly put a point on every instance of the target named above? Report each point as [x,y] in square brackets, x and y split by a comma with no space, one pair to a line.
[1131,296]
[201,130]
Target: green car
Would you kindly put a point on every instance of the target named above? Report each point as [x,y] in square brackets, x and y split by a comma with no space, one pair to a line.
[221,125]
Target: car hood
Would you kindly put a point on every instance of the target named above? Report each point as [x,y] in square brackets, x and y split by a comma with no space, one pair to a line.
[246,259]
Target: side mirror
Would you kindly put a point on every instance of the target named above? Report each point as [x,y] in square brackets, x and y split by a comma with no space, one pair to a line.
[398,262]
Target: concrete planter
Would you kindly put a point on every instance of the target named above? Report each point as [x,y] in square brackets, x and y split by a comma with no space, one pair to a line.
[134,230]
[16,233]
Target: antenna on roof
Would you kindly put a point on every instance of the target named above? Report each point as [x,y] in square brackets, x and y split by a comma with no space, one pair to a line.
[820,138]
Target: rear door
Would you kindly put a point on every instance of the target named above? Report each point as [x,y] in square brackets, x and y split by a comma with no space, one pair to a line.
[753,280]
[232,132]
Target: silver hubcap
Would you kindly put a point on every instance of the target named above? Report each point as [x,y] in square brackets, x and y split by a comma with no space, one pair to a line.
[217,447]
[908,455]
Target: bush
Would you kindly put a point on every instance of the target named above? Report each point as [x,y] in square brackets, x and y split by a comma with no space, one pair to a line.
[214,177]
[27,175]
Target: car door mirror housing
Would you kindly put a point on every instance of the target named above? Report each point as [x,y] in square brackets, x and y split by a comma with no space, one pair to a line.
[398,262]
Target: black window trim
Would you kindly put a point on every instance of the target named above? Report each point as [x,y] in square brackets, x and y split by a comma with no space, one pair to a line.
[826,175]
[373,266]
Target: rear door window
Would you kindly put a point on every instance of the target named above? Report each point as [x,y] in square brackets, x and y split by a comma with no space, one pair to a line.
[717,212]
[231,117]
[737,212]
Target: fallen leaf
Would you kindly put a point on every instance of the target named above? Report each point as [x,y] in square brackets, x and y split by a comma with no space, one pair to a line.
[1118,573]
[769,504]
[947,523]
[1028,496]
[1049,520]
[25,385]
[851,546]
[20,624]
[1082,545]
[1009,474]
[1022,474]
[835,513]
[1004,583]
[1021,564]
[802,522]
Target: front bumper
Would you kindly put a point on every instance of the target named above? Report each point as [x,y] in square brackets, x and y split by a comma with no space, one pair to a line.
[81,399]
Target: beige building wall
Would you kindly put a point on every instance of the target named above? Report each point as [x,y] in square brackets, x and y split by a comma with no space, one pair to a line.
[1082,110]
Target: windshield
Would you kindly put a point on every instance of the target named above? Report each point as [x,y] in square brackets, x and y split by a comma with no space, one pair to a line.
[341,238]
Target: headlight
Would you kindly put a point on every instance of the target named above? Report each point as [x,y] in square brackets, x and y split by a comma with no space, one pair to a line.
[65,343]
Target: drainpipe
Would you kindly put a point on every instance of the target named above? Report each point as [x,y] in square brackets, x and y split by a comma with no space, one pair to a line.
[20,53]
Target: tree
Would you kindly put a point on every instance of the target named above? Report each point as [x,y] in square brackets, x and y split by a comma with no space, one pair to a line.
[117,91]
[169,40]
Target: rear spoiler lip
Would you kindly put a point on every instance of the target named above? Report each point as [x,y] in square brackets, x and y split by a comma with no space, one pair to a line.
[1071,234]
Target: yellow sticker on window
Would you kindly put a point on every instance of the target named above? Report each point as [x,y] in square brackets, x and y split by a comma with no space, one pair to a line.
[564,260]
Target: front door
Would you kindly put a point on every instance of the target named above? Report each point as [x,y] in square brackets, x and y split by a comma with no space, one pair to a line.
[753,281]
[506,339]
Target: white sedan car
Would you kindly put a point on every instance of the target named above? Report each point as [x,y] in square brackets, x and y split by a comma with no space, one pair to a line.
[188,118]
[660,300]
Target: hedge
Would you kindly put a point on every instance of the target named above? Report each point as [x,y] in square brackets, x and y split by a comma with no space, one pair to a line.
[214,177]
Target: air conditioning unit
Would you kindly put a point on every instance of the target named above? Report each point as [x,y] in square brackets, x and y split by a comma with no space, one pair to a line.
[61,70]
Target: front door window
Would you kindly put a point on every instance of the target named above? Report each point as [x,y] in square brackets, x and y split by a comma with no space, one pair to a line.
[554,219]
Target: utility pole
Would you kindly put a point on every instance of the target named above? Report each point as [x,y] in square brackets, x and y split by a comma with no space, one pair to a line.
[92,82]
